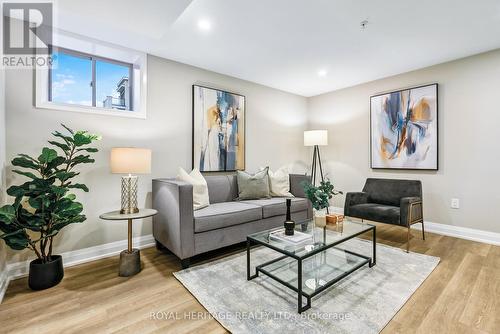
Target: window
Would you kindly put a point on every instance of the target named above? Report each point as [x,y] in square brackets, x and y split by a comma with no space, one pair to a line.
[92,77]
[86,80]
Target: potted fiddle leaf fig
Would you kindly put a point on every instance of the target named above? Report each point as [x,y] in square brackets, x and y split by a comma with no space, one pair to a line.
[45,204]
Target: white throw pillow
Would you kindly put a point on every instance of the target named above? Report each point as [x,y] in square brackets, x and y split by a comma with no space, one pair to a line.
[279,183]
[200,188]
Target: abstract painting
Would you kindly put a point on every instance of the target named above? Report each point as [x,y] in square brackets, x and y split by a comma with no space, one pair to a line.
[404,129]
[218,130]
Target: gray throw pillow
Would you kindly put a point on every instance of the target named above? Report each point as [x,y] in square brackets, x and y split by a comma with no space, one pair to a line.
[253,186]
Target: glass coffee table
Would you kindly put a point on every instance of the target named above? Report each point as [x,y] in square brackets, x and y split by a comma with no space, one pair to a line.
[313,265]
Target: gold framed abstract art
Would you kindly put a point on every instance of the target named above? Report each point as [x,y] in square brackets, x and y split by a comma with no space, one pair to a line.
[218,130]
[404,129]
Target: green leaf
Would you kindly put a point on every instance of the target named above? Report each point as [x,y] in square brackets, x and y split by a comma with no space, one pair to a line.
[67,208]
[67,139]
[16,191]
[25,163]
[64,176]
[56,163]
[27,174]
[34,202]
[32,221]
[81,139]
[47,155]
[69,130]
[76,219]
[62,146]
[7,214]
[89,149]
[28,157]
[59,191]
[81,159]
[84,138]
[79,186]
[17,240]
[71,197]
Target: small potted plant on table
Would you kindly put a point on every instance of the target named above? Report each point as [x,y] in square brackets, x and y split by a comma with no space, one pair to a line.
[320,196]
[44,205]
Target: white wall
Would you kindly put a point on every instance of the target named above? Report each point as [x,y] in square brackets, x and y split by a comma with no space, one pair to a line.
[274,125]
[469,157]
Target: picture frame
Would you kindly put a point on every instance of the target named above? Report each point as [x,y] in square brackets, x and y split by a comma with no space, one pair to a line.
[404,129]
[218,130]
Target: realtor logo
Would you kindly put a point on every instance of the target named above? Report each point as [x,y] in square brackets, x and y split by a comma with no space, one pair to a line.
[27,28]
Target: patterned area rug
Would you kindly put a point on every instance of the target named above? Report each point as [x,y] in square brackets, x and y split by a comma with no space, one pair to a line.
[363,302]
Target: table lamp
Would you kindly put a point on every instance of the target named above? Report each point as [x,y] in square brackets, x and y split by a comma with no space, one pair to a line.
[316,138]
[129,160]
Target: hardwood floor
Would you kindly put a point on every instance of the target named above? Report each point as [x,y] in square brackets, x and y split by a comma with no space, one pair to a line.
[462,295]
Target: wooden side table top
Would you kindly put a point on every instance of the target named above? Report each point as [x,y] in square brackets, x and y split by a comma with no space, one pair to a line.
[116,215]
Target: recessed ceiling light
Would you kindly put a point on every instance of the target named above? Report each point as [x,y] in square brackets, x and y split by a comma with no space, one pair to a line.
[322,73]
[204,24]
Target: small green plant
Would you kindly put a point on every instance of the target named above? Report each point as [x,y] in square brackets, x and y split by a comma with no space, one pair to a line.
[320,195]
[44,205]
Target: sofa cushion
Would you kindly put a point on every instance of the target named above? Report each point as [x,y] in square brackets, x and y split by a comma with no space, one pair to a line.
[253,186]
[276,206]
[376,212]
[220,215]
[221,188]
[279,182]
[200,188]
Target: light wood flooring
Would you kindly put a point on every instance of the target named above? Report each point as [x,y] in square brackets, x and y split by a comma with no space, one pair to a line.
[462,295]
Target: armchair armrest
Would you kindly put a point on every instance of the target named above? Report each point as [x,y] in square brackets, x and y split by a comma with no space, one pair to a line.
[354,198]
[173,226]
[411,210]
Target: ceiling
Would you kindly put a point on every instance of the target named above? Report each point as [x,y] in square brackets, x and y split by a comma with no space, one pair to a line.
[285,43]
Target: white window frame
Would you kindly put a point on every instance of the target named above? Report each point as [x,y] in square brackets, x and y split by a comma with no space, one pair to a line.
[106,51]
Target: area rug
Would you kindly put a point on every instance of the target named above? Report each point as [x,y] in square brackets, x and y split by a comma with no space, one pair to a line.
[363,302]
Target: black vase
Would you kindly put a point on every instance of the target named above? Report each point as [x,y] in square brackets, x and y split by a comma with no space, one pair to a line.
[45,275]
[289,223]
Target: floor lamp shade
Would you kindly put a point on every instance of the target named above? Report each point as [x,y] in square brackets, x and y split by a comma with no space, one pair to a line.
[128,160]
[316,138]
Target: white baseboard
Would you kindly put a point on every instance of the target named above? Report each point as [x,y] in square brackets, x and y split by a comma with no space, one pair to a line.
[486,237]
[472,234]
[72,258]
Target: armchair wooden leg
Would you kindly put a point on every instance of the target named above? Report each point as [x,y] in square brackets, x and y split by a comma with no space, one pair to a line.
[423,232]
[408,240]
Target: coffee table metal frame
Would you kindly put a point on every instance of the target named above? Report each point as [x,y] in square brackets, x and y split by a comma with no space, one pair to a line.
[371,261]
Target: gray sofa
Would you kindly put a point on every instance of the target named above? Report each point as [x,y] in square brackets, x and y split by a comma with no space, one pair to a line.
[396,202]
[226,221]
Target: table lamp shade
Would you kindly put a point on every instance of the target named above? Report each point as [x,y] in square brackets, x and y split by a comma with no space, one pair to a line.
[316,137]
[129,160]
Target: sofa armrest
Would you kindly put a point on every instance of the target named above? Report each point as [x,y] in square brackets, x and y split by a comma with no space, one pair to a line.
[411,210]
[296,187]
[173,226]
[354,198]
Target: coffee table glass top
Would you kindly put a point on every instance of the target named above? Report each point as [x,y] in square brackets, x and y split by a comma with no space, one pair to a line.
[320,240]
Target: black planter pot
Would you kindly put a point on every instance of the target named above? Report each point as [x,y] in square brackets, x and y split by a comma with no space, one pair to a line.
[46,275]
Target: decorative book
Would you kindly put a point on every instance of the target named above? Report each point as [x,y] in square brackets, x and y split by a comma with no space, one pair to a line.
[296,238]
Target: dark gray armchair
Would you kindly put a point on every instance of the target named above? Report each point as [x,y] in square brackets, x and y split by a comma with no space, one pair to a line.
[396,202]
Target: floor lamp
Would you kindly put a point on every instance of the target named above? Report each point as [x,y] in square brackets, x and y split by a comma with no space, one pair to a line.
[316,138]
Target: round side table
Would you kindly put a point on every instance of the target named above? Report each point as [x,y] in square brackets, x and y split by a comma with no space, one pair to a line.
[130,259]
